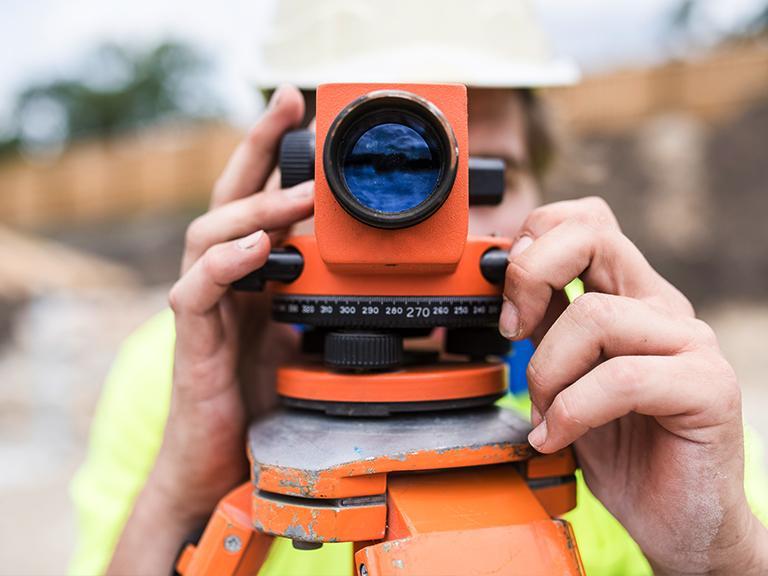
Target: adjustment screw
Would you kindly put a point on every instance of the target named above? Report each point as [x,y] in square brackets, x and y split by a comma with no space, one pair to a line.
[232,543]
[305,545]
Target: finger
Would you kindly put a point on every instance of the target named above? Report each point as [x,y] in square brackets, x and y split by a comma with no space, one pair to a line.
[605,259]
[273,182]
[599,326]
[592,210]
[557,305]
[659,386]
[278,235]
[268,211]
[255,157]
[203,286]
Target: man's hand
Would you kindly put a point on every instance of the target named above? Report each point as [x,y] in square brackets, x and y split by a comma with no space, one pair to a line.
[226,347]
[628,374]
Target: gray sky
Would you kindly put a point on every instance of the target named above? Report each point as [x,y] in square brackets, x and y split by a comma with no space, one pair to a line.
[45,38]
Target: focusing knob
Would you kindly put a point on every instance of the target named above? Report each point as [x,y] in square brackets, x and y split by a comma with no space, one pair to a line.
[363,351]
[297,158]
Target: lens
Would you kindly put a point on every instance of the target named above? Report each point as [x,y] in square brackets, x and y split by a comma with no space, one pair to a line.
[392,167]
[390,159]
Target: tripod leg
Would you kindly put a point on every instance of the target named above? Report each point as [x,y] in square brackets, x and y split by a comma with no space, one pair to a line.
[229,545]
[473,521]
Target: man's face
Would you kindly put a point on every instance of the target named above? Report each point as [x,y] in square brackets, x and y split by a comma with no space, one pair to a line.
[497,129]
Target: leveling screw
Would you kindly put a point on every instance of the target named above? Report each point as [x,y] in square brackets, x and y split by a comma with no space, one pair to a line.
[305,545]
[363,570]
[232,543]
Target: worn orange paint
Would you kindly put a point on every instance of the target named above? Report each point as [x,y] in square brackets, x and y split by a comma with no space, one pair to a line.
[430,521]
[538,548]
[231,519]
[465,280]
[332,483]
[449,381]
[335,482]
[319,523]
[470,521]
[560,463]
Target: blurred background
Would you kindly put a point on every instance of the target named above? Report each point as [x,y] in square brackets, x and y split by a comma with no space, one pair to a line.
[116,117]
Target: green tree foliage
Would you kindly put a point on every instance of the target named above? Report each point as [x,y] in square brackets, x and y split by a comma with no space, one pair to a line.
[758,24]
[118,90]
[687,15]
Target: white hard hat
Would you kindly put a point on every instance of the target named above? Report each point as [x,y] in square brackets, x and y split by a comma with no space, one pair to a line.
[482,43]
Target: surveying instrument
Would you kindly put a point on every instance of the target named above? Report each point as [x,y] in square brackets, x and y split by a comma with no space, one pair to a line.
[383,440]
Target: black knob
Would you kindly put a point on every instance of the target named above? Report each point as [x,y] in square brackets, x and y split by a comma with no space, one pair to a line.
[363,351]
[312,340]
[486,181]
[282,265]
[476,343]
[493,265]
[297,158]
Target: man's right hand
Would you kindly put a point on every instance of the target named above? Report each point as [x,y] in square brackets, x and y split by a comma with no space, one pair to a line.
[226,346]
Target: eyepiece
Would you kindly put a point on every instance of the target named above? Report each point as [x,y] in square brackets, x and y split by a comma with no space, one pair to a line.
[390,159]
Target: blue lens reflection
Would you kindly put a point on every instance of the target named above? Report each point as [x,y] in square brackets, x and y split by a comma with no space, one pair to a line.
[391,168]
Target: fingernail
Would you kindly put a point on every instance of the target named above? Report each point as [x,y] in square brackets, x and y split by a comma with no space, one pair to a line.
[535,416]
[538,435]
[302,191]
[509,321]
[250,241]
[520,246]
[273,101]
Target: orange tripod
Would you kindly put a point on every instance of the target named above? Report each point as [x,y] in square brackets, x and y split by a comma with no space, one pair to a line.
[425,494]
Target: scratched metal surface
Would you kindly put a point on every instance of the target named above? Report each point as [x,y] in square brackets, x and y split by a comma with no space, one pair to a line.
[312,441]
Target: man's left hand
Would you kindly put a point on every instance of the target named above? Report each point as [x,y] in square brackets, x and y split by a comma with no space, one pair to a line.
[629,376]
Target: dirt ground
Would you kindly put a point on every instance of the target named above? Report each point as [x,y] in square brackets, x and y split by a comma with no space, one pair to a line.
[52,368]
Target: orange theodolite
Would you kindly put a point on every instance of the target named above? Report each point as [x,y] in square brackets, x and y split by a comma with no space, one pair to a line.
[382,439]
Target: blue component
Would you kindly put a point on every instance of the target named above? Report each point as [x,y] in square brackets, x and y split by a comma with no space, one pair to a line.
[518,360]
[391,168]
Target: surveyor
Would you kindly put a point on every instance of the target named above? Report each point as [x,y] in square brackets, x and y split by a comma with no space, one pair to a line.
[625,372]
